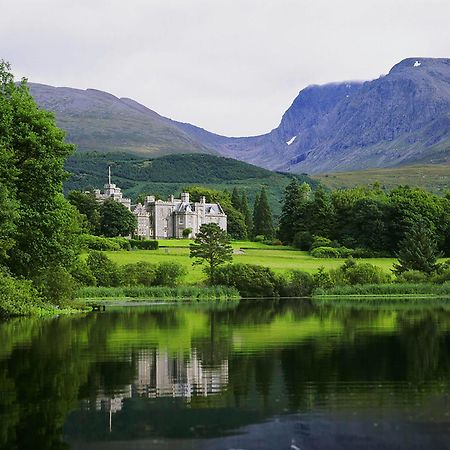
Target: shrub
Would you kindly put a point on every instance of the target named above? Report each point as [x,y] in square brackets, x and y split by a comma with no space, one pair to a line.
[299,284]
[322,279]
[104,270]
[82,274]
[91,242]
[124,243]
[250,280]
[17,297]
[145,244]
[56,285]
[139,274]
[325,252]
[260,238]
[169,273]
[320,241]
[272,242]
[187,232]
[353,273]
[303,240]
[413,276]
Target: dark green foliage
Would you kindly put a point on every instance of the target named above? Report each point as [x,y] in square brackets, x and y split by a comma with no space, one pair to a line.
[187,232]
[137,244]
[105,271]
[38,227]
[139,274]
[303,240]
[116,219]
[418,250]
[415,276]
[169,274]
[56,284]
[294,214]
[322,279]
[82,274]
[320,214]
[236,199]
[299,284]
[325,252]
[86,204]
[250,280]
[211,246]
[262,218]
[248,219]
[17,297]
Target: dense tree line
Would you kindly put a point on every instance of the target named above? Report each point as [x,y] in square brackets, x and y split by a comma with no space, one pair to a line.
[368,218]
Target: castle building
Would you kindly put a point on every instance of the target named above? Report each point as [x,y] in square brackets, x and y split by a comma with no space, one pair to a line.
[158,219]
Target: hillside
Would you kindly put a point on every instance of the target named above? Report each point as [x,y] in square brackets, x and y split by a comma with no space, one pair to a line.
[98,121]
[169,174]
[433,177]
[399,119]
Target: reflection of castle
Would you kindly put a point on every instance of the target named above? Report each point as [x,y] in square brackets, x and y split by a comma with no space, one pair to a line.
[160,374]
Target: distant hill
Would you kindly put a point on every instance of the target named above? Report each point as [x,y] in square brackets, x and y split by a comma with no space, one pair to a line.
[433,177]
[98,121]
[169,174]
[399,119]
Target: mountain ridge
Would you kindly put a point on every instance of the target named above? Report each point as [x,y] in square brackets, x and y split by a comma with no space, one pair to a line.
[400,118]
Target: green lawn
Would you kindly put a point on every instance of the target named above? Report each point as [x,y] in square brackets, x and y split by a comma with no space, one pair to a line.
[280,259]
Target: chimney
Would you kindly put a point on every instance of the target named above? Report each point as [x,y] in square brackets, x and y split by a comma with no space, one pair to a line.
[185,197]
[203,199]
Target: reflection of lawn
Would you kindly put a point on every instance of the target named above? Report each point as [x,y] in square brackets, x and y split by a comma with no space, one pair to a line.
[281,260]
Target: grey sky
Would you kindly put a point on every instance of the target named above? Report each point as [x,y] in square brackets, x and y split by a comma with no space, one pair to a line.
[230,66]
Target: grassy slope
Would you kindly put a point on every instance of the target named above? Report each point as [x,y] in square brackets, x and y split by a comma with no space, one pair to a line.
[280,259]
[432,177]
[168,175]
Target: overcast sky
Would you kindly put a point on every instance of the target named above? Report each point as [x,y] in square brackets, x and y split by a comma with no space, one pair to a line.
[230,66]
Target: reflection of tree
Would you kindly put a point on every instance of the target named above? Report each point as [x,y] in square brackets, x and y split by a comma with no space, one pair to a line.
[421,337]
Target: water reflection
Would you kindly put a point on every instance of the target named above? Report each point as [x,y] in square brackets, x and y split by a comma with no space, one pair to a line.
[258,375]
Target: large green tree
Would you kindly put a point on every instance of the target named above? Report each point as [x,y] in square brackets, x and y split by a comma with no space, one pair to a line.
[245,210]
[86,204]
[39,233]
[211,246]
[116,219]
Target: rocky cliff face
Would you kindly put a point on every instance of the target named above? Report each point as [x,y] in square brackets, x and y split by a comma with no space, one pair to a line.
[400,118]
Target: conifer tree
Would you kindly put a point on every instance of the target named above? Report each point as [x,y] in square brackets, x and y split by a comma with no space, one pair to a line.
[418,250]
[263,223]
[321,214]
[245,209]
[236,199]
[294,210]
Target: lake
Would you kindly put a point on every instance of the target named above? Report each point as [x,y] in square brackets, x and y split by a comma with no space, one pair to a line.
[281,374]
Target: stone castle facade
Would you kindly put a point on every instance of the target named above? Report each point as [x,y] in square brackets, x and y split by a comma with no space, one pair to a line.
[159,219]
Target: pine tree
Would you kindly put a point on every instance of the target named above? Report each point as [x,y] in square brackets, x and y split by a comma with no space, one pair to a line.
[321,214]
[294,210]
[418,250]
[236,199]
[262,222]
[245,209]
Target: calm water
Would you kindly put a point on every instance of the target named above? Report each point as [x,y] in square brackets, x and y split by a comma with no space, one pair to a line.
[259,375]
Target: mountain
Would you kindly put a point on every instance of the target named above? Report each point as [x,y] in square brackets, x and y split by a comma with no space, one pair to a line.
[99,121]
[169,174]
[398,119]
